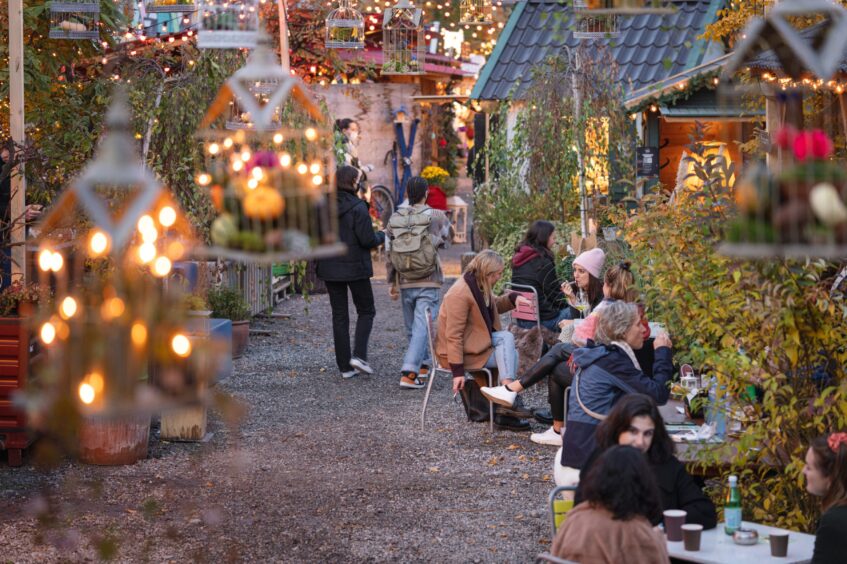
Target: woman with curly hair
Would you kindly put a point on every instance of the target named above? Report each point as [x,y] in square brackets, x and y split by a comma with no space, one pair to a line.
[614,523]
[826,477]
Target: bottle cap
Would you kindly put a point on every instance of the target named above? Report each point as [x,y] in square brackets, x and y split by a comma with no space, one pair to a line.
[733,479]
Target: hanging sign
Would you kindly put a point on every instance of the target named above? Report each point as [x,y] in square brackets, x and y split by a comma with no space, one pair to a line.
[646,161]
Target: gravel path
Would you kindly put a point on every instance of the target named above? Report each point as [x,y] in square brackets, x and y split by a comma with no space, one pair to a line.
[320,469]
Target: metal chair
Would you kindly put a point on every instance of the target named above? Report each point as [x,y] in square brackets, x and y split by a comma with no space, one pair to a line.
[547,557]
[529,312]
[559,507]
[436,369]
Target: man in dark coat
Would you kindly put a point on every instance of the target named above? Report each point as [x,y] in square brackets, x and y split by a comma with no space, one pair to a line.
[352,270]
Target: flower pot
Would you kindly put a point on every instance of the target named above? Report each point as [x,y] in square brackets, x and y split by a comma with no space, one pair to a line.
[113,440]
[184,423]
[240,337]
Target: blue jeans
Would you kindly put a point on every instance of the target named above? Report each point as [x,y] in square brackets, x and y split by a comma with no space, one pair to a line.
[505,355]
[551,324]
[415,301]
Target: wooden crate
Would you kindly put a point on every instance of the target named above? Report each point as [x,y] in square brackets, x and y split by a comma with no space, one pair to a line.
[14,369]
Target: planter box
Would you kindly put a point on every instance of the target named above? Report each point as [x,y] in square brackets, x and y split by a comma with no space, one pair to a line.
[184,424]
[14,371]
[113,440]
[221,332]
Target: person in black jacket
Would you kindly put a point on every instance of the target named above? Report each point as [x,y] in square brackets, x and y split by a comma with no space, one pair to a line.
[533,265]
[635,421]
[826,477]
[352,270]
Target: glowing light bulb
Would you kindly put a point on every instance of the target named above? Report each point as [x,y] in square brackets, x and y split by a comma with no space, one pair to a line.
[149,235]
[56,262]
[302,168]
[317,180]
[146,253]
[285,160]
[167,216]
[162,267]
[69,307]
[204,179]
[138,333]
[181,345]
[48,333]
[145,223]
[112,308]
[315,168]
[252,184]
[45,259]
[86,393]
[228,142]
[311,134]
[258,173]
[99,243]
[237,166]
[96,381]
[245,155]
[214,148]
[278,138]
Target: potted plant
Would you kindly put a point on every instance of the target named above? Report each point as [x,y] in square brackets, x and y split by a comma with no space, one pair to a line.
[437,178]
[198,314]
[227,303]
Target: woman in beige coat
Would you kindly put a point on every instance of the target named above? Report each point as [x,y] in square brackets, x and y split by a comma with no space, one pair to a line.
[469,328]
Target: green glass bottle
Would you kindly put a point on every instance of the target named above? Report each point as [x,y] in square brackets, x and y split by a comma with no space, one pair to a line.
[732,507]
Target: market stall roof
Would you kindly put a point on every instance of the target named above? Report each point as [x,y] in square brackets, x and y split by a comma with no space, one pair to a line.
[434,64]
[768,60]
[674,82]
[649,48]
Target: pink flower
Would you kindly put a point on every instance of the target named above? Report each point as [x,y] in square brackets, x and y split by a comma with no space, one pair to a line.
[784,138]
[822,146]
[812,145]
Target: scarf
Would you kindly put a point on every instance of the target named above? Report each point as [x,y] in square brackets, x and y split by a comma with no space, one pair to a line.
[624,346]
[487,312]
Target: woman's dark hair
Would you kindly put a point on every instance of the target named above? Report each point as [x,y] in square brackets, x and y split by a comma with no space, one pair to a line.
[416,187]
[620,418]
[537,237]
[832,463]
[345,178]
[621,482]
[343,124]
[595,291]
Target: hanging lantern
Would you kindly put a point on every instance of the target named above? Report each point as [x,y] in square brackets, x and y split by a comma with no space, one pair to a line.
[475,12]
[272,181]
[345,28]
[75,19]
[403,43]
[591,25]
[169,6]
[227,24]
[104,248]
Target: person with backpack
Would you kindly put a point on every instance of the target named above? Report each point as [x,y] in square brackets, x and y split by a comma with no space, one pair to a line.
[352,270]
[415,233]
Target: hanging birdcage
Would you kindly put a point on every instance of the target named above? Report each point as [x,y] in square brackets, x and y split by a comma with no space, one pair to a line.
[345,28]
[227,24]
[475,12]
[240,118]
[591,25]
[272,184]
[403,44]
[75,19]
[104,249]
[169,6]
[794,204]
[623,7]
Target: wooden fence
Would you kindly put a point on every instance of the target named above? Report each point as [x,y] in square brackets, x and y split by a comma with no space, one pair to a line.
[255,282]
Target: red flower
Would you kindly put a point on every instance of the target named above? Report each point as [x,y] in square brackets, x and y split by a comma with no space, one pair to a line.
[442,142]
[822,146]
[812,145]
[784,138]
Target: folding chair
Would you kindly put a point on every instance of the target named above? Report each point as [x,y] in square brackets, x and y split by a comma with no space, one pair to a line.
[559,506]
[436,369]
[547,557]
[526,312]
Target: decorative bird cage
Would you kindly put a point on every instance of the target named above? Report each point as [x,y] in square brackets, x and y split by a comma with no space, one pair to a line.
[622,7]
[591,25]
[475,12]
[228,24]
[75,19]
[403,44]
[105,248]
[345,27]
[240,118]
[272,185]
[169,6]
[795,204]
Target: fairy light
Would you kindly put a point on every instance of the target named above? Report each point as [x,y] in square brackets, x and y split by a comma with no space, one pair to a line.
[311,134]
[285,160]
[214,148]
[167,216]
[86,393]
[278,138]
[317,180]
[69,307]
[237,166]
[162,267]
[302,168]
[146,253]
[45,259]
[138,334]
[99,243]
[181,345]
[48,333]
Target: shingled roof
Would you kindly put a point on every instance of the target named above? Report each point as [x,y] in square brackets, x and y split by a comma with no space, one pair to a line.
[649,48]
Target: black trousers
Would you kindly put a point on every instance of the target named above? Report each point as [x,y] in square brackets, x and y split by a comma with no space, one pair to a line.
[363,299]
[554,364]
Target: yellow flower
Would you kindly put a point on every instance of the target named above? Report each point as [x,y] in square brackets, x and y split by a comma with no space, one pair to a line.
[435,173]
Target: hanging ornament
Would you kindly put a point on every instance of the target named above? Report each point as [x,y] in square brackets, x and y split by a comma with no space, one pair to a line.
[169,6]
[227,24]
[272,180]
[403,42]
[75,19]
[345,28]
[476,12]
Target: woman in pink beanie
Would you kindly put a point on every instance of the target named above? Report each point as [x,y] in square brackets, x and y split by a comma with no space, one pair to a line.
[587,270]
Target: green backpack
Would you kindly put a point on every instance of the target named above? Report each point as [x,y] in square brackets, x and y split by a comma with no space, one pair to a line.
[412,253]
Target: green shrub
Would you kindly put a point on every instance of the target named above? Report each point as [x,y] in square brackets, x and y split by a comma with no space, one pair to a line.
[227,303]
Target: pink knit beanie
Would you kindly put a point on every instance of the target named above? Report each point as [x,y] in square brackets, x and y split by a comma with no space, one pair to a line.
[592,261]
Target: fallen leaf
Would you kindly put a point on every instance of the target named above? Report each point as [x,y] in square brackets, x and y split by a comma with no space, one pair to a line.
[492,461]
[513,447]
[522,458]
[525,476]
[433,469]
[545,478]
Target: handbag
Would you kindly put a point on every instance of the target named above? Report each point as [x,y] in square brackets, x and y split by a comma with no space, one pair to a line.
[475,404]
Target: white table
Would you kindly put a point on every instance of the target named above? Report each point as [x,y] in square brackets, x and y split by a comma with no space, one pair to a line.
[716,547]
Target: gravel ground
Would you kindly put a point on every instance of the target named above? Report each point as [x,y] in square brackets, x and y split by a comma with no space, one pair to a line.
[320,469]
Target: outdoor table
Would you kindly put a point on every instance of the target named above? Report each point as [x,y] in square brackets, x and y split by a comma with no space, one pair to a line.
[716,547]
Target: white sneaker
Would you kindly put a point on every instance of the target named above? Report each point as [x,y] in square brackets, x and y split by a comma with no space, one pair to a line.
[361,365]
[348,375]
[548,437]
[500,395]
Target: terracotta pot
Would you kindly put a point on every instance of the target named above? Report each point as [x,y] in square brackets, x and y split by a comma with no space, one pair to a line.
[113,440]
[240,338]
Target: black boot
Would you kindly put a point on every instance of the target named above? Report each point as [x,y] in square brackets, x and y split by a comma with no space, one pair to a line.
[506,423]
[518,409]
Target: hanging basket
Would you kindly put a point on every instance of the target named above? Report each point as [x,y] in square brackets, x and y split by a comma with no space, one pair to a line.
[403,43]
[272,186]
[169,6]
[225,24]
[345,28]
[475,12]
[75,19]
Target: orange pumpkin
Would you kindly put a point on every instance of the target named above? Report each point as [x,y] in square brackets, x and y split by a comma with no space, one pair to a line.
[263,203]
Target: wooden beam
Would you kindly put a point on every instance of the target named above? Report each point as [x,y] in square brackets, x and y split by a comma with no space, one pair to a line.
[16,126]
